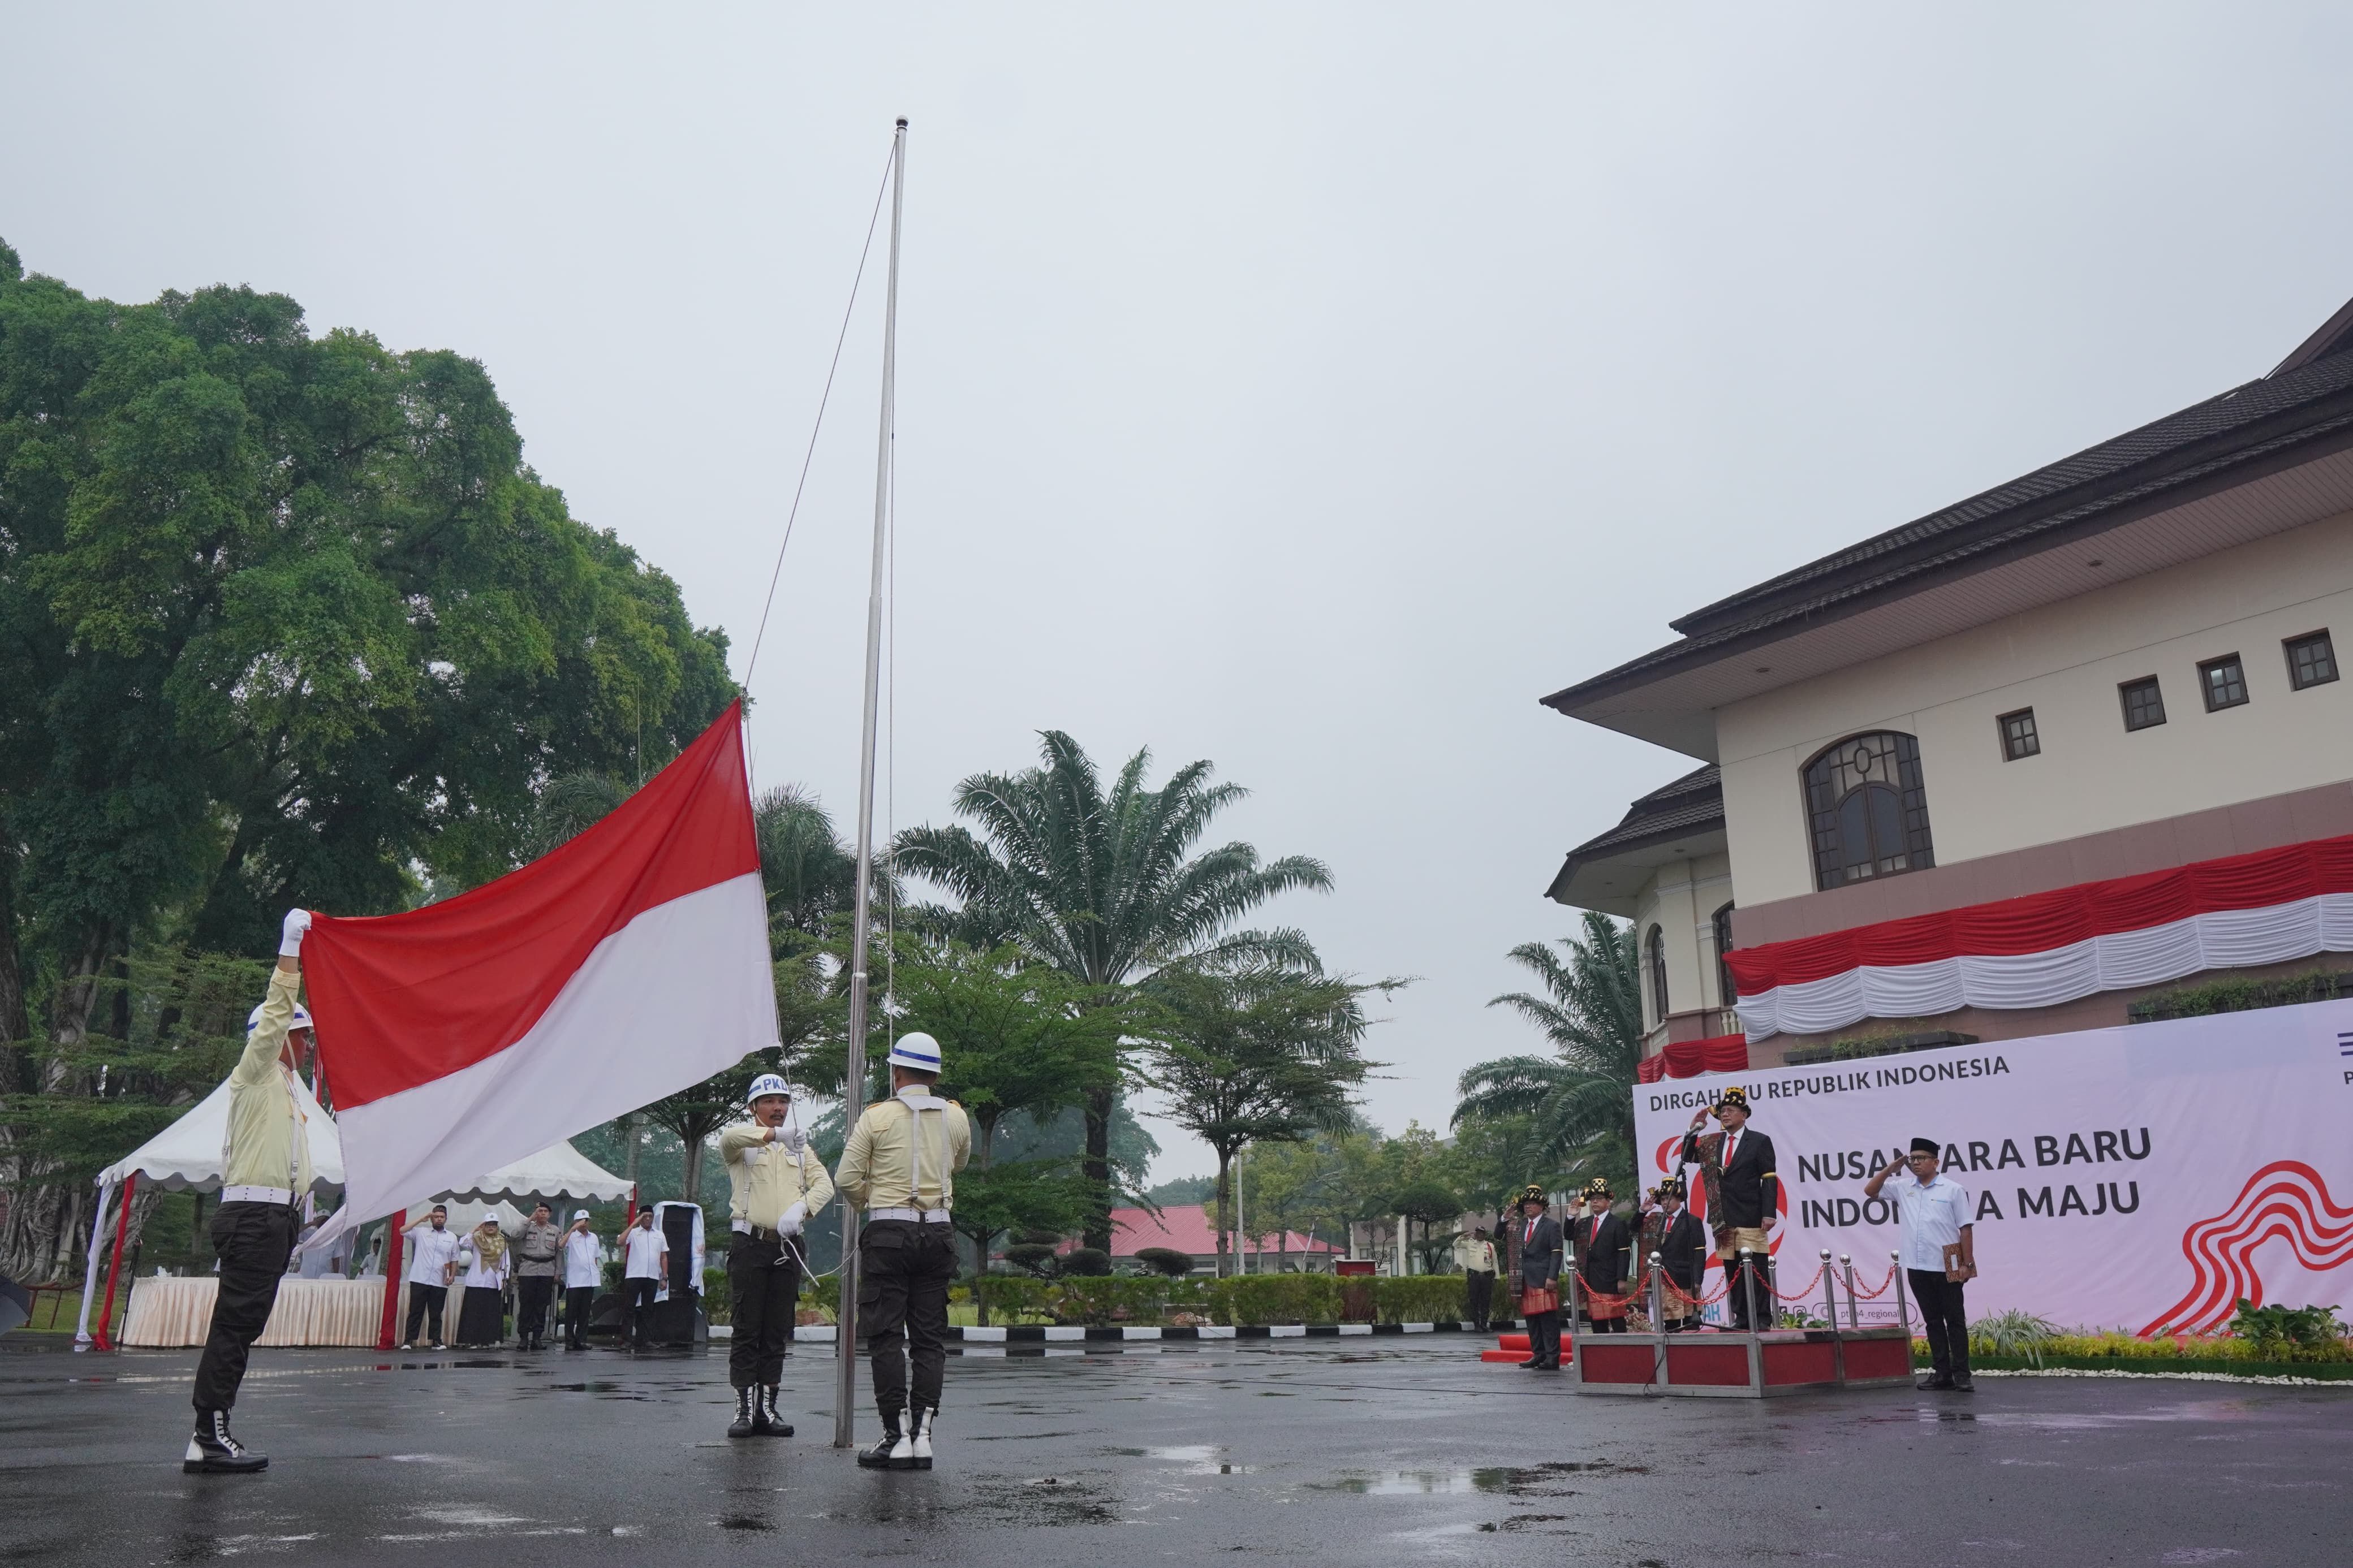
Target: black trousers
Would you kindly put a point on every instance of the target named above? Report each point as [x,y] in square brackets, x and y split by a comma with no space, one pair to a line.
[905,1268]
[1544,1337]
[639,1296]
[533,1292]
[1939,1299]
[253,1242]
[424,1301]
[1479,1295]
[577,1300]
[1737,1302]
[764,1290]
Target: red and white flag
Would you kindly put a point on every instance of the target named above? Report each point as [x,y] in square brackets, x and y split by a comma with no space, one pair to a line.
[627,964]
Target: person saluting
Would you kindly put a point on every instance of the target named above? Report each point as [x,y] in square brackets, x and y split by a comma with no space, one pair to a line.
[900,1166]
[265,1172]
[1743,1197]
[774,1184]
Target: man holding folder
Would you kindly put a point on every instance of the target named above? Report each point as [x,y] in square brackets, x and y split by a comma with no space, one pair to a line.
[1939,1257]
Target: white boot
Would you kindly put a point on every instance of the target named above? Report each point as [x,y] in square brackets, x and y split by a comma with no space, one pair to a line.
[902,1452]
[920,1438]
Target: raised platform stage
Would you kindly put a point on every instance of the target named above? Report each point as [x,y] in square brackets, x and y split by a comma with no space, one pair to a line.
[1711,1364]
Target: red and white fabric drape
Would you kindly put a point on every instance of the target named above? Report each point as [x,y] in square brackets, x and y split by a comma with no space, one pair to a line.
[1689,1058]
[2270,906]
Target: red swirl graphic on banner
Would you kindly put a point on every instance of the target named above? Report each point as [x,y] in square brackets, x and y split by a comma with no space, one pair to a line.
[2286,1199]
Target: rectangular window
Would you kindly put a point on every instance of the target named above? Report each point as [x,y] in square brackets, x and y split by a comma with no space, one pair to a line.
[2018,737]
[2144,704]
[2311,660]
[2224,682]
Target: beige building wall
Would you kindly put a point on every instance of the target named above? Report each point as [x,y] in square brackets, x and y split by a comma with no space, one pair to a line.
[2065,661]
[1681,901]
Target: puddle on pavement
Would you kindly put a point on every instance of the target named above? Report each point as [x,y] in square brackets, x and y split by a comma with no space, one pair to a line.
[603,1390]
[1197,1459]
[1044,1500]
[1510,1481]
[743,1522]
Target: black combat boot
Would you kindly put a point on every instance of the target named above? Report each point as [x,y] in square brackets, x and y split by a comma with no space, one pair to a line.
[747,1414]
[880,1456]
[212,1451]
[769,1421]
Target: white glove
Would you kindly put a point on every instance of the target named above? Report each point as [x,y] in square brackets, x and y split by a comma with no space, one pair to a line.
[791,1138]
[790,1222]
[289,940]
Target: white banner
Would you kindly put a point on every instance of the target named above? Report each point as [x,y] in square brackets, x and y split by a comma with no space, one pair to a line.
[2143,1177]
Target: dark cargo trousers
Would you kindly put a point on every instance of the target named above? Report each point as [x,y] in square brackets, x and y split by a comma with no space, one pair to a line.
[253,1242]
[904,1269]
[764,1290]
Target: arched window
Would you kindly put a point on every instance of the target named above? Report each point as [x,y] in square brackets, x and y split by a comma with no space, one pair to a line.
[1727,989]
[1869,811]
[1656,951]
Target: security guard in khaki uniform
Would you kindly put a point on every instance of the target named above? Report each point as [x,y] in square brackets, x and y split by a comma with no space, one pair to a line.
[776,1183]
[899,1165]
[265,1173]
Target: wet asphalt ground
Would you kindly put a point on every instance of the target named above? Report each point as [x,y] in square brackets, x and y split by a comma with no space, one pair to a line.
[1318,1452]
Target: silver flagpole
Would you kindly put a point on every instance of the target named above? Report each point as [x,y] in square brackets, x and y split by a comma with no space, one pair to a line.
[845,1394]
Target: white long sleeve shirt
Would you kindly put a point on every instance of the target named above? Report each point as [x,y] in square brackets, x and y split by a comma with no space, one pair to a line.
[479,1277]
[584,1260]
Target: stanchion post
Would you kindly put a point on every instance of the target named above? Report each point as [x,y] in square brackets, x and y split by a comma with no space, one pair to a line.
[1748,1290]
[1854,1311]
[1658,1297]
[1903,1306]
[1830,1293]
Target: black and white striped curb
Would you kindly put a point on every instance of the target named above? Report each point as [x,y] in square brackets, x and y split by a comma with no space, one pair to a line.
[1033,1334]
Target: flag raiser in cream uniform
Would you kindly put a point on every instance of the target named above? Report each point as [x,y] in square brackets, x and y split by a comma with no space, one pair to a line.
[2146,1176]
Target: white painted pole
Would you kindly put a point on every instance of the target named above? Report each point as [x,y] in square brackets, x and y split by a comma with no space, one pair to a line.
[845,1397]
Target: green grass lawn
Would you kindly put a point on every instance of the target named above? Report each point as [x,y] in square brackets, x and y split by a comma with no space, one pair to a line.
[52,1314]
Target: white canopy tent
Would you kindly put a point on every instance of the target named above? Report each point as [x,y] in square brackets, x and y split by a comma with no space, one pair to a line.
[186,1157]
[558,1170]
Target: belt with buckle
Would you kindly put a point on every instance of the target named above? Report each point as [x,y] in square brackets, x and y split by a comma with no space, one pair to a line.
[920,1217]
[280,1196]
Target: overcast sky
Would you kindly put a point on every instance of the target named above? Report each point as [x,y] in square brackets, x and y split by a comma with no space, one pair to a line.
[1305,388]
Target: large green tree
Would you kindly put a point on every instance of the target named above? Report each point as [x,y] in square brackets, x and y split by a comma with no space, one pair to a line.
[1576,1104]
[1250,1052]
[287,621]
[1103,884]
[1017,1037]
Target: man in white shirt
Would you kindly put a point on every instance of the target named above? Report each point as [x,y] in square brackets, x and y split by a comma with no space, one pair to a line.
[432,1257]
[1939,1256]
[584,1270]
[645,1255]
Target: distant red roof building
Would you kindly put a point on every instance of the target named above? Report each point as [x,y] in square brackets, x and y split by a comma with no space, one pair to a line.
[1185,1228]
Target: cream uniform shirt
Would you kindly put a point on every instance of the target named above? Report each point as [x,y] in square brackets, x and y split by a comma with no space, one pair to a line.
[766,1178]
[879,1169]
[267,1143]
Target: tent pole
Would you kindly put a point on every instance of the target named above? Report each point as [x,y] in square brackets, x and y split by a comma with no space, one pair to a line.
[384,1340]
[114,1268]
[90,1262]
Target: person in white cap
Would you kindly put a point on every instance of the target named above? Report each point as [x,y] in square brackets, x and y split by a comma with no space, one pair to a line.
[584,1270]
[265,1173]
[774,1184]
[900,1166]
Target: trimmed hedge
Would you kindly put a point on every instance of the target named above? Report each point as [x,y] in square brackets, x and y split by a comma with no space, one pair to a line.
[2241,994]
[1421,1299]
[1278,1299]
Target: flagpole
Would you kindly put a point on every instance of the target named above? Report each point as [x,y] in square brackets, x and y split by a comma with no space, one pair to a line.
[844,1333]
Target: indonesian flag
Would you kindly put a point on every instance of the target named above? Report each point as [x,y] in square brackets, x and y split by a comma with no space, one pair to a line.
[626,965]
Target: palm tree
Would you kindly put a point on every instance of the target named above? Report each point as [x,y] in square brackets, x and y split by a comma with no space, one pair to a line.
[1099,884]
[1579,1101]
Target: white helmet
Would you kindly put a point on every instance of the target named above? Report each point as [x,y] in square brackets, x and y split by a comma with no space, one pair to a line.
[301,1019]
[917,1051]
[767,1084]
